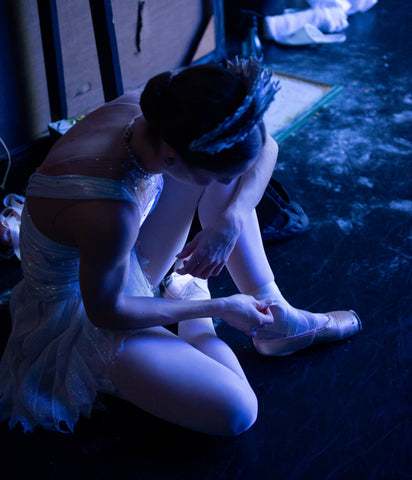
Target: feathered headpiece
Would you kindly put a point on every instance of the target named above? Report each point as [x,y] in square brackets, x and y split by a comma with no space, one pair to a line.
[260,92]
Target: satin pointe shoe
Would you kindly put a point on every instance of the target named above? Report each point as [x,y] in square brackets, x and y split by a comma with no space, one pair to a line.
[340,325]
[184,287]
[10,219]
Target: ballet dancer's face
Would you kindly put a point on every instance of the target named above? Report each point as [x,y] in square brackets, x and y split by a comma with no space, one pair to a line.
[202,177]
[177,168]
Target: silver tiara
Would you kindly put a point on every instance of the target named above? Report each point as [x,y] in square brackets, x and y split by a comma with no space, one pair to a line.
[260,92]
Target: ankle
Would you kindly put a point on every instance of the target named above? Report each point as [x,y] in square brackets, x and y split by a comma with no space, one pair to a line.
[268,291]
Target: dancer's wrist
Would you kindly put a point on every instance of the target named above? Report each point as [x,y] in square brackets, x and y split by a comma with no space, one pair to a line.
[235,217]
[217,306]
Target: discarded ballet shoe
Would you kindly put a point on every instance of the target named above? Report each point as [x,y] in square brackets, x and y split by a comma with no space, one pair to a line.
[280,217]
[184,287]
[340,325]
[14,201]
[10,219]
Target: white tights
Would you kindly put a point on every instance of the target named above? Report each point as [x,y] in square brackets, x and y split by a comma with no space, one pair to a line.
[194,379]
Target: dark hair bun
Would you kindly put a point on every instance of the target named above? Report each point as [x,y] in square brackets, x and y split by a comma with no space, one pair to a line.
[153,97]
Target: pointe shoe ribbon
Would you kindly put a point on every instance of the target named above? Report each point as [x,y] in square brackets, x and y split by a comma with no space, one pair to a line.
[340,325]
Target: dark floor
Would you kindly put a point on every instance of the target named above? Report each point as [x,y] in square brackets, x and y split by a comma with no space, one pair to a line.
[337,412]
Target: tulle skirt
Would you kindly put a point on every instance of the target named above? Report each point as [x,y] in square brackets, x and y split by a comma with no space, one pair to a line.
[56,360]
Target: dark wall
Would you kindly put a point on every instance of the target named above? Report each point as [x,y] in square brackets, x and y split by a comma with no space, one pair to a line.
[24,111]
[15,115]
[168,31]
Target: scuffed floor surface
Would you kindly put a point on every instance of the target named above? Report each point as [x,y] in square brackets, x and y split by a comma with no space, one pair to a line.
[342,411]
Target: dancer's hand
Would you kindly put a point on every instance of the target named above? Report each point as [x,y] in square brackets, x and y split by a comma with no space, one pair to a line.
[210,249]
[246,314]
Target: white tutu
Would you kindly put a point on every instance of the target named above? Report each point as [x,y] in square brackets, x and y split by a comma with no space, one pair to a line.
[56,360]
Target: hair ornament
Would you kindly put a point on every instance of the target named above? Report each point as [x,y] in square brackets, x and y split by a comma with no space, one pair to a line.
[260,92]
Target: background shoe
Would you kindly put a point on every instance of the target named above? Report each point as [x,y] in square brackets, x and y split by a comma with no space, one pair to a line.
[10,219]
[340,325]
[280,218]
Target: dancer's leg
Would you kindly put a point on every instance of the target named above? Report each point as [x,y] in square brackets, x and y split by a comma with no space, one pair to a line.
[165,231]
[162,236]
[248,264]
[165,376]
[250,269]
[200,332]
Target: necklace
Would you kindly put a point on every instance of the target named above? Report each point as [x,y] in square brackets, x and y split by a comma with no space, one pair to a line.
[133,163]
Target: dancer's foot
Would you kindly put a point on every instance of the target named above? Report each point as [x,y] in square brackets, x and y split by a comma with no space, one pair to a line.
[326,328]
[293,329]
[187,287]
[184,287]
[289,321]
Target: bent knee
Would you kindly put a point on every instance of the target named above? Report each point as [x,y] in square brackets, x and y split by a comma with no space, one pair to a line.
[240,414]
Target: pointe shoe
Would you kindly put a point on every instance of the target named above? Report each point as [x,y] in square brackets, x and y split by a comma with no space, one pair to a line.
[340,325]
[10,219]
[185,287]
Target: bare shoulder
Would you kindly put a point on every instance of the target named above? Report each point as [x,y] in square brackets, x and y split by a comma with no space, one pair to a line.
[132,97]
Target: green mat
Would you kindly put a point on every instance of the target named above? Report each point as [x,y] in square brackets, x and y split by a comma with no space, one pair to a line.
[298,99]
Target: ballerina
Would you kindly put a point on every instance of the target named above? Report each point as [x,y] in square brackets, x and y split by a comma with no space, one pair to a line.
[106,216]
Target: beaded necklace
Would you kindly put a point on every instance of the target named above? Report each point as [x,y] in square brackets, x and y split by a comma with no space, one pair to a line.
[133,163]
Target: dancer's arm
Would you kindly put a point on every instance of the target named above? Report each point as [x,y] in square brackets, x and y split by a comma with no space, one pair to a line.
[211,247]
[105,238]
[253,183]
